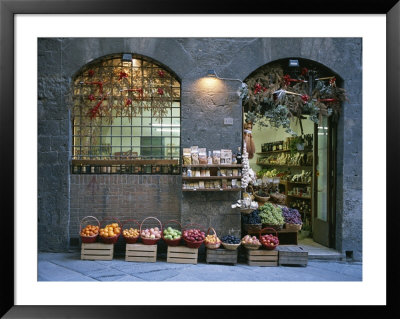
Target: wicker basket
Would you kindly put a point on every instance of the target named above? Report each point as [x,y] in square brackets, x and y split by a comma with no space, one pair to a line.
[114,239]
[192,244]
[275,227]
[171,242]
[252,228]
[261,199]
[149,241]
[212,246]
[89,239]
[247,210]
[230,246]
[130,240]
[269,247]
[252,246]
[293,227]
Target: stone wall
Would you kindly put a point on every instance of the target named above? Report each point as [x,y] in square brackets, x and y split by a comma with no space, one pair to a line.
[204,107]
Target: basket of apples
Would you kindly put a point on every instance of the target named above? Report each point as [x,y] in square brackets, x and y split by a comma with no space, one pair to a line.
[110,233]
[212,241]
[150,236]
[130,235]
[269,241]
[251,242]
[172,236]
[89,233]
[193,237]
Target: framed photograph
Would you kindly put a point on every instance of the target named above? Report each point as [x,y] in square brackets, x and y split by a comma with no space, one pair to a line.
[69,110]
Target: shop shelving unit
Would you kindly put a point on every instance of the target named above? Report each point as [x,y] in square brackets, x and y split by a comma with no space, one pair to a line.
[213,176]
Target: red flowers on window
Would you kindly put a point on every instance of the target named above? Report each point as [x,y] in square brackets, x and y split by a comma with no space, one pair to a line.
[160,91]
[90,73]
[91,97]
[123,75]
[161,73]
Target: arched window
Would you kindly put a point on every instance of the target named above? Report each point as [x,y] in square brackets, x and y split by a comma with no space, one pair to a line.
[125,117]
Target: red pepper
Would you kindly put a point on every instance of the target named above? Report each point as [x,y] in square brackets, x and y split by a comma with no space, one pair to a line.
[100,84]
[123,75]
[305,98]
[93,112]
[327,100]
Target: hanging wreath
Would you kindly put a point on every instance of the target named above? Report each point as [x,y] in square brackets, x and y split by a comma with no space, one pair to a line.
[272,98]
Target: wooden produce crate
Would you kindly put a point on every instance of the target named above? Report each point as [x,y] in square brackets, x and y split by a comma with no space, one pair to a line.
[182,255]
[221,256]
[292,255]
[141,253]
[97,251]
[262,257]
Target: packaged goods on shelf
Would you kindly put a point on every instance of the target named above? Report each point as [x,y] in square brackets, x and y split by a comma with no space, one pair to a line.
[187,156]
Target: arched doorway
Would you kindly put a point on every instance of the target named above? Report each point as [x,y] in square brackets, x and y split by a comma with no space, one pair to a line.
[294,104]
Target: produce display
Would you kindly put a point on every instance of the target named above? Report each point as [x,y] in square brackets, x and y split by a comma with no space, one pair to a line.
[110,230]
[291,216]
[90,230]
[172,234]
[131,233]
[271,214]
[269,241]
[252,218]
[230,239]
[152,233]
[212,239]
[194,235]
[252,240]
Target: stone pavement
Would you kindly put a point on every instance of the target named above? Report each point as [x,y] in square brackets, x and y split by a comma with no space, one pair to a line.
[69,267]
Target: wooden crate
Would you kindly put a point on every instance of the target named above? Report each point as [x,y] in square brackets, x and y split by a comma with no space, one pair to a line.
[262,257]
[221,256]
[292,255]
[97,251]
[141,253]
[182,255]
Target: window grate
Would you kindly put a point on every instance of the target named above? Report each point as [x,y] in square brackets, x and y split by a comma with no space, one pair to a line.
[126,110]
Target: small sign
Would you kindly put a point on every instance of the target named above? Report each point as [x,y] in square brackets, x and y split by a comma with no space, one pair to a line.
[228,121]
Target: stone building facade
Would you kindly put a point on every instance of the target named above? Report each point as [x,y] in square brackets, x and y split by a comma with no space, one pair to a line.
[64,198]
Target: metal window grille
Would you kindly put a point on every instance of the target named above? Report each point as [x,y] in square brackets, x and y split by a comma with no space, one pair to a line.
[126,117]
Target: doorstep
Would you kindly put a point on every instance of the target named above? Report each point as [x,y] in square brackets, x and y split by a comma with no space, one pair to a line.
[319,252]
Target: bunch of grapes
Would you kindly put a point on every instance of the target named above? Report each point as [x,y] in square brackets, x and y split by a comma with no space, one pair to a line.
[252,218]
[230,239]
[291,215]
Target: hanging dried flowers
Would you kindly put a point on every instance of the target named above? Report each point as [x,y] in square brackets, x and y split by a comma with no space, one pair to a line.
[272,97]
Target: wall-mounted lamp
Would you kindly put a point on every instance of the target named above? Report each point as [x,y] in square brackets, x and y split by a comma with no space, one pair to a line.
[211,74]
[293,63]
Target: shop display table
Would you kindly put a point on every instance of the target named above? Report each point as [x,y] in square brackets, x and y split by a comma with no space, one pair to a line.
[221,256]
[97,251]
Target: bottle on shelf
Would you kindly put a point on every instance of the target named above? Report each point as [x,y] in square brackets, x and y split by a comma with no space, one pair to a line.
[239,156]
[209,158]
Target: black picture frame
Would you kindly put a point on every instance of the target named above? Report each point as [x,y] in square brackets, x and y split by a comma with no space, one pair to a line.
[8,10]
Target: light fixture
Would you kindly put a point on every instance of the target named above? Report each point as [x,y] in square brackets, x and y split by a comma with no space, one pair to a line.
[293,63]
[211,74]
[127,57]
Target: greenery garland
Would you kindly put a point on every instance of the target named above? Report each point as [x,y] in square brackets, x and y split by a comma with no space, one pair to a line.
[271,98]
